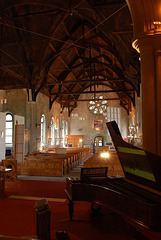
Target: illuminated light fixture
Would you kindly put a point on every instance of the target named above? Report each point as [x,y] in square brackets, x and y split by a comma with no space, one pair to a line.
[157,25]
[98,105]
[105,155]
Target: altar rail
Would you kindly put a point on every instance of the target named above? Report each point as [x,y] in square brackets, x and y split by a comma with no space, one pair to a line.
[52,164]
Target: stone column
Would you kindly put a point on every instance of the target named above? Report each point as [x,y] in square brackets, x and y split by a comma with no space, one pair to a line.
[158,90]
[150,54]
[148,81]
[31,116]
[147,40]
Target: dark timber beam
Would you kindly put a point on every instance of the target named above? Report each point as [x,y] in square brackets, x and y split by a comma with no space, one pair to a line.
[85,81]
[89,99]
[86,92]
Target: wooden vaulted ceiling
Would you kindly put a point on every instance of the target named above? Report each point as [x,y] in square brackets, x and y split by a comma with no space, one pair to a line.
[64,48]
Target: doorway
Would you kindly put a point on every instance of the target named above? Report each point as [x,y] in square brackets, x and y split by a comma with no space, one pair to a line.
[99,142]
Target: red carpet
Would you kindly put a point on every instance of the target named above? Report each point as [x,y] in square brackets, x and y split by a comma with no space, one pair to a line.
[18,217]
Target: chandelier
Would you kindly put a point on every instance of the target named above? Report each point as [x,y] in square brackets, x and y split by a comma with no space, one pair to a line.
[98,105]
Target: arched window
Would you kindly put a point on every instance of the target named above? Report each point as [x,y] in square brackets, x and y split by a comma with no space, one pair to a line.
[62,133]
[42,130]
[66,128]
[113,113]
[9,131]
[57,132]
[52,132]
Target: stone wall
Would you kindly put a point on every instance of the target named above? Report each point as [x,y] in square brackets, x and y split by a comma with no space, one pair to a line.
[18,104]
[80,122]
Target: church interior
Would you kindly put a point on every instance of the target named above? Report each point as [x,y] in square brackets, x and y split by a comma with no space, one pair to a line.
[79,114]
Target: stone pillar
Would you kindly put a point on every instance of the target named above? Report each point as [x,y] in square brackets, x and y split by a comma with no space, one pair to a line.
[139,120]
[147,40]
[32,116]
[150,53]
[158,90]
[148,81]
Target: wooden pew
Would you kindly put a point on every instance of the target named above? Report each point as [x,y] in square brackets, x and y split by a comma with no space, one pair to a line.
[50,163]
[74,156]
[80,154]
[52,156]
[47,167]
[72,159]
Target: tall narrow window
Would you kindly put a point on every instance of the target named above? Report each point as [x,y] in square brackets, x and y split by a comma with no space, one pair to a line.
[66,128]
[113,113]
[9,131]
[42,130]
[52,132]
[57,132]
[62,133]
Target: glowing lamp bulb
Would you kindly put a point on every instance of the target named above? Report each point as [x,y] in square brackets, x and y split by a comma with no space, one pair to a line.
[105,155]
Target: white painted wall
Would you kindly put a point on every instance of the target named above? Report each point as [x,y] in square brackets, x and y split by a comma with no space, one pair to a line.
[2,135]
